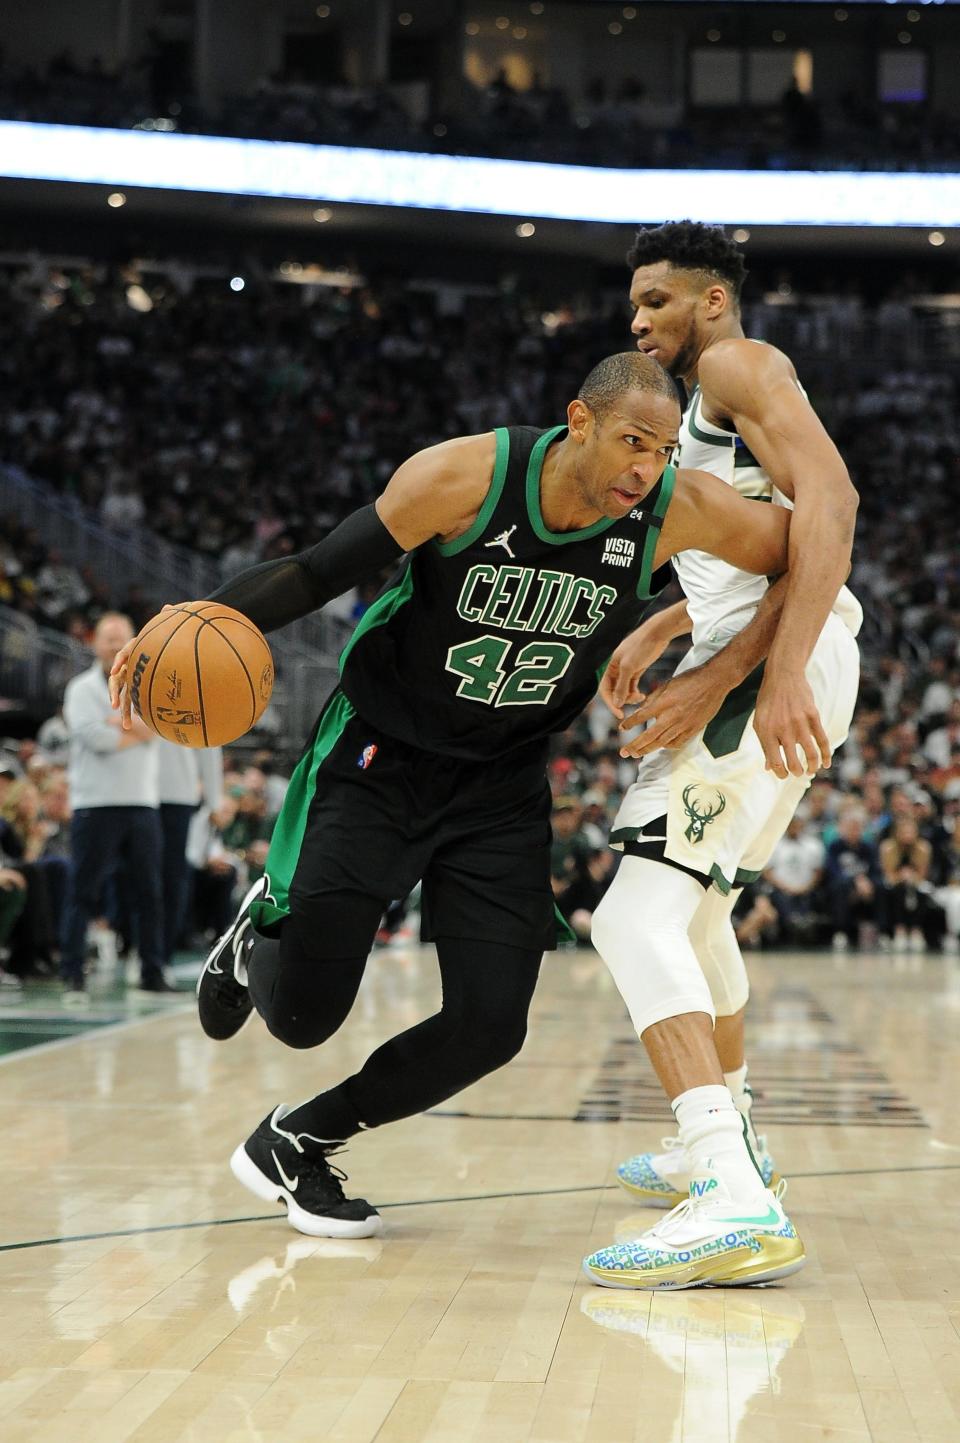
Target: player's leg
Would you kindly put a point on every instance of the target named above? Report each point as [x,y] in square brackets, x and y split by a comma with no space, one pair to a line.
[481,1025]
[662,1179]
[488,905]
[732,1229]
[339,826]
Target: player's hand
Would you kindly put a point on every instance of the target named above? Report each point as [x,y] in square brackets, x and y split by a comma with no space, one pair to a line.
[787,719]
[675,711]
[620,685]
[120,698]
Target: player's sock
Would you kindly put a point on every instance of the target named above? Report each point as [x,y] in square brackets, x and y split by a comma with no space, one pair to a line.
[712,1132]
[330,1116]
[742,1100]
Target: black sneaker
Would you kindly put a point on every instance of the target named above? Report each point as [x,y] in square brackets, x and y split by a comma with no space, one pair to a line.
[223,999]
[276,1166]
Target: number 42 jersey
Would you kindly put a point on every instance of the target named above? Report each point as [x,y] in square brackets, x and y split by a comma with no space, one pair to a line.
[494,640]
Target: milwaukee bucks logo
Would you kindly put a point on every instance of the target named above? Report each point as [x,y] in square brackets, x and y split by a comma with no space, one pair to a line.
[699,816]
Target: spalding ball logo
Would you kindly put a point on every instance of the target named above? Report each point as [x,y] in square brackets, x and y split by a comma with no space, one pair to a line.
[143,661]
[266,682]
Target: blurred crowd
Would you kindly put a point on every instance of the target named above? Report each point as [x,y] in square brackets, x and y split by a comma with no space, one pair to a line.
[171,415]
[226,851]
[608,125]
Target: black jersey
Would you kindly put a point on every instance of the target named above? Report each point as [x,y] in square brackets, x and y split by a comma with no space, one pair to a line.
[494,640]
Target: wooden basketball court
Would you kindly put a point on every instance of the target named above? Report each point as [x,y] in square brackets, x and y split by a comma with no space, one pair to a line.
[146,1298]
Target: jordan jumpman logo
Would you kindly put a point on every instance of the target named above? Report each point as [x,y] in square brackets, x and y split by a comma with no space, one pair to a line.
[504,540]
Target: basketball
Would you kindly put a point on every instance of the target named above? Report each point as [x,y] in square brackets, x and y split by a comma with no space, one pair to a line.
[200,674]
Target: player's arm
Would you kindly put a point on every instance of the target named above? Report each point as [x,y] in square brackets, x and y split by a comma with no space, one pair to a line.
[620,683]
[436,493]
[433,494]
[755,387]
[707,515]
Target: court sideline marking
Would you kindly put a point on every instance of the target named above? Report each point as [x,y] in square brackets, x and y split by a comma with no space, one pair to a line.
[432,1202]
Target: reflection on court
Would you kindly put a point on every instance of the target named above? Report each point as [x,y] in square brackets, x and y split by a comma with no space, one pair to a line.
[470,1318]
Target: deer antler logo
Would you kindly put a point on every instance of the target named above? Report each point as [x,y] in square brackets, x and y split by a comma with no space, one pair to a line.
[698,818]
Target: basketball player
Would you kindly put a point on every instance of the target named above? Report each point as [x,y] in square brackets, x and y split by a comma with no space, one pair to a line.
[739,743]
[533,553]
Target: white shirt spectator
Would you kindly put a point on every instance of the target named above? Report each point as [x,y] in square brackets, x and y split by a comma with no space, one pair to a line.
[190,775]
[101,773]
[796,862]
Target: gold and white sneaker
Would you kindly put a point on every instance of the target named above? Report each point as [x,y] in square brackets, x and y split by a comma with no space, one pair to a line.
[707,1240]
[662,1179]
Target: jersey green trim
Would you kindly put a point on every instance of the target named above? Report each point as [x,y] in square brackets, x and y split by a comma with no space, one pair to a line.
[450,548]
[722,438]
[284,853]
[664,495]
[534,467]
[381,611]
[724,733]
[719,881]
[565,932]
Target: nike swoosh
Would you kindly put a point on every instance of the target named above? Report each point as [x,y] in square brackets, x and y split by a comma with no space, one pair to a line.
[286,1181]
[770,1216]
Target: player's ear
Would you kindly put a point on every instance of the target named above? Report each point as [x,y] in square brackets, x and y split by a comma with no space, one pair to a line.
[579,420]
[717,301]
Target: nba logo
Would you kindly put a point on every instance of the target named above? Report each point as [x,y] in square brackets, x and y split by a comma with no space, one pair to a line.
[366,756]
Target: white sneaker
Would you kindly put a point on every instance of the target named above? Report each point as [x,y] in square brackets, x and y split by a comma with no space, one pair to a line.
[662,1179]
[709,1239]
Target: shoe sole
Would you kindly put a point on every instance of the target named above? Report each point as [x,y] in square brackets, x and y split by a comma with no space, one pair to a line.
[778,1258]
[667,1200]
[245,1170]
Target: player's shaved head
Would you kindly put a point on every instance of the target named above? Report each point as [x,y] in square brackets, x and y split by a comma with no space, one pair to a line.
[616,375]
[688,245]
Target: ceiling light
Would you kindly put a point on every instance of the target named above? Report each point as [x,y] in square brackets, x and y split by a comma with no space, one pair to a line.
[740,235]
[116,200]
[237,283]
[936,237]
[526,229]
[323,214]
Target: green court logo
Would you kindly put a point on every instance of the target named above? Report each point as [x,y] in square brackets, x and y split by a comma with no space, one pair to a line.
[698,814]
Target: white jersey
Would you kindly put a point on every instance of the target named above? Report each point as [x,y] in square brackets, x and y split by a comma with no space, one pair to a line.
[722,599]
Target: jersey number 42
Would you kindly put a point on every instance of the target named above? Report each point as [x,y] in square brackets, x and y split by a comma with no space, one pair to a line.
[532,680]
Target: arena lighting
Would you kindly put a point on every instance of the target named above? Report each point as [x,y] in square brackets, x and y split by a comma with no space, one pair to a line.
[332,173]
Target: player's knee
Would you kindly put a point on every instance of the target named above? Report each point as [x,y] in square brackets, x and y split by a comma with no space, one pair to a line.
[606,925]
[718,952]
[299,1030]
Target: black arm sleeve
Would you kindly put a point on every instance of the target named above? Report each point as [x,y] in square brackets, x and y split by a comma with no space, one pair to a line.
[278,592]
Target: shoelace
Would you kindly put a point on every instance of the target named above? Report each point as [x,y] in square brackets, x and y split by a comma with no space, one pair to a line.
[321,1170]
[681,1213]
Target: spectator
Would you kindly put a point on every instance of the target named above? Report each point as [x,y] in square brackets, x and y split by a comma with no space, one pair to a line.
[188,779]
[913,917]
[13,893]
[794,874]
[114,789]
[947,892]
[215,869]
[34,942]
[854,880]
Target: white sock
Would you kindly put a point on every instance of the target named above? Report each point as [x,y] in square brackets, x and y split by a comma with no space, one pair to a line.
[743,1102]
[711,1130]
[737,1083]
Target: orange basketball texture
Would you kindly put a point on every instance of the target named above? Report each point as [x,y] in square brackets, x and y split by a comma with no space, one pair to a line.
[201,674]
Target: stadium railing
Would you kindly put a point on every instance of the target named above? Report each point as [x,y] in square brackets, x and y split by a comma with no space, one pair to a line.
[41,661]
